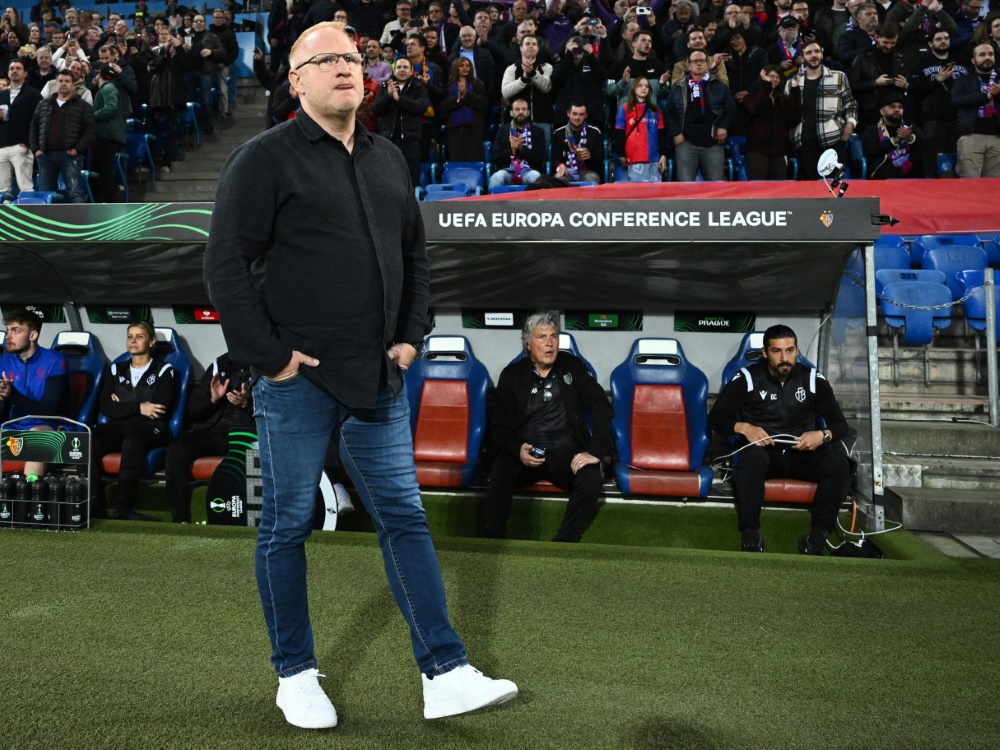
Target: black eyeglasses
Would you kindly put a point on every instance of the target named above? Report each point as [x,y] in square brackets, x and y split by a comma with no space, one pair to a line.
[327,61]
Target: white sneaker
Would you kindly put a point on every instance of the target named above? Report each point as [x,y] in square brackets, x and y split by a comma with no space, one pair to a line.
[344,504]
[462,690]
[304,702]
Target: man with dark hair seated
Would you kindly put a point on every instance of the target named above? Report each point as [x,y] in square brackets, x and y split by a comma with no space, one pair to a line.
[221,403]
[774,405]
[32,379]
[540,430]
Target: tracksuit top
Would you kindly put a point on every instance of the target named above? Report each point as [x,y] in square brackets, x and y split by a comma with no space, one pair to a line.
[40,386]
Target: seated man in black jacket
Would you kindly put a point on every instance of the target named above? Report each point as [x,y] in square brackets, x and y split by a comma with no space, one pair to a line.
[540,430]
[519,149]
[398,109]
[773,405]
[222,402]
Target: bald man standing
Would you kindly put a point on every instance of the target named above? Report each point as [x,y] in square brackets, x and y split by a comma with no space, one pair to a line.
[333,317]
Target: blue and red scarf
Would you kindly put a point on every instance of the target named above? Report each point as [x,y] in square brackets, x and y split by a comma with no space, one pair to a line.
[573,145]
[990,108]
[519,167]
[900,156]
[698,90]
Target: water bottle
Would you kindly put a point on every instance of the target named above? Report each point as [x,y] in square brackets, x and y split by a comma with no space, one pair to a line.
[40,509]
[74,511]
[22,499]
[6,502]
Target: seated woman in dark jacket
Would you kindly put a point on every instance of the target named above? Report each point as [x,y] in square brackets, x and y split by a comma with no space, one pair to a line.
[768,147]
[136,398]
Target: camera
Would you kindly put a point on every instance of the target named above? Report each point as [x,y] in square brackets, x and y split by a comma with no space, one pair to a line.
[641,11]
[536,452]
[593,22]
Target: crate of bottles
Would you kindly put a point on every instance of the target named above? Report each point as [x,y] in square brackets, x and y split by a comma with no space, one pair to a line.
[57,501]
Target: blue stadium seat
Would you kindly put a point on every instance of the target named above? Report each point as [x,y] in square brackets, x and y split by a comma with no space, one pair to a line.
[168,349]
[86,364]
[918,325]
[507,189]
[992,248]
[38,196]
[470,174]
[892,275]
[946,163]
[736,145]
[975,306]
[953,259]
[660,423]
[446,388]
[890,252]
[121,171]
[139,148]
[926,241]
[442,195]
[187,124]
[858,162]
[566,344]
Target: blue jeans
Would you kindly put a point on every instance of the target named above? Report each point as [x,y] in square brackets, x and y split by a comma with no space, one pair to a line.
[53,163]
[295,421]
[711,159]
[201,84]
[503,177]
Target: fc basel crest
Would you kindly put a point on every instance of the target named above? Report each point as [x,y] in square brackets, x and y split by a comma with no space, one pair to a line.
[15,444]
[827,218]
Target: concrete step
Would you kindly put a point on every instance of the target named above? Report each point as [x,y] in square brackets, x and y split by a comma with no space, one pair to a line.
[188,174]
[181,190]
[941,439]
[941,473]
[899,404]
[944,510]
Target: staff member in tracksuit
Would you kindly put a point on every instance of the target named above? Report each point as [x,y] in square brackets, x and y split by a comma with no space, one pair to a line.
[781,396]
[32,379]
[136,398]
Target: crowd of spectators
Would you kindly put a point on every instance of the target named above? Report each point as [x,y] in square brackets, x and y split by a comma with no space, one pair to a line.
[70,79]
[641,82]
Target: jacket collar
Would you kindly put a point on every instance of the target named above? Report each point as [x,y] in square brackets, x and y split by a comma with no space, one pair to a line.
[314,132]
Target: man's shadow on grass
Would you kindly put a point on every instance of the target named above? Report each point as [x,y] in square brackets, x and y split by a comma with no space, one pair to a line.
[664,733]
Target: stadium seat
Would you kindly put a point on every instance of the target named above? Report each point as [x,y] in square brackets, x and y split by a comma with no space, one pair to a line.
[121,171]
[992,248]
[168,349]
[507,189]
[86,362]
[925,242]
[892,275]
[442,195]
[918,325]
[953,259]
[26,197]
[890,252]
[946,163]
[736,145]
[660,422]
[470,174]
[446,388]
[139,148]
[858,162]
[187,124]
